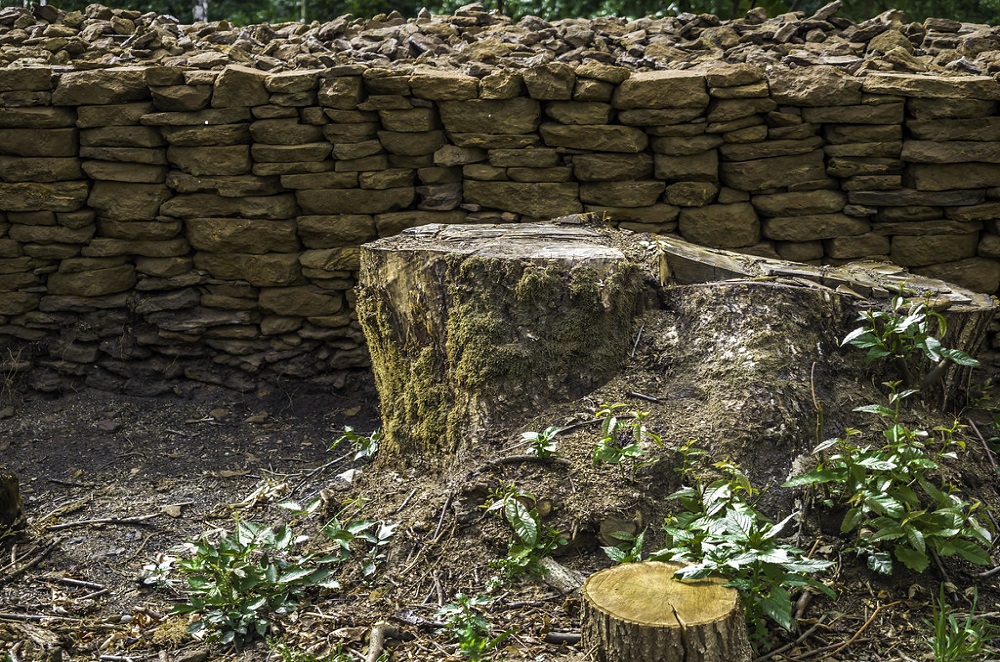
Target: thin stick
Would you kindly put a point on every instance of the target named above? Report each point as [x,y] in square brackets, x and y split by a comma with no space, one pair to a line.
[647,398]
[444,509]
[316,471]
[105,520]
[638,337]
[406,501]
[989,573]
[857,634]
[72,582]
[802,637]
[34,618]
[986,446]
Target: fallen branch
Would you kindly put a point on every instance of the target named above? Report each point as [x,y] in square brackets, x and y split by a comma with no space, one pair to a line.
[986,446]
[42,553]
[72,582]
[33,618]
[376,642]
[836,648]
[802,637]
[104,520]
[558,638]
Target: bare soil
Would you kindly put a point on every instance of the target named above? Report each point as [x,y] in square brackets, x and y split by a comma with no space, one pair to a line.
[166,470]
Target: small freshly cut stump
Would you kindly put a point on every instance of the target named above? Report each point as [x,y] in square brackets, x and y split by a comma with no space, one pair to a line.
[471,327]
[639,612]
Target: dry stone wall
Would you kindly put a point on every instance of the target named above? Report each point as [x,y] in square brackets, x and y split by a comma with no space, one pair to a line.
[168,223]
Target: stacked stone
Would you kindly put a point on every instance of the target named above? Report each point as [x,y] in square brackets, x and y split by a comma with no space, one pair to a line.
[941,215]
[167,222]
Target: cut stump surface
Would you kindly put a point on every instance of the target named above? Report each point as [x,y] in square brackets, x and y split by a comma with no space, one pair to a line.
[640,612]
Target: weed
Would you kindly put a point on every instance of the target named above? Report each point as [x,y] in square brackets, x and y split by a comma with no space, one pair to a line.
[465,621]
[905,335]
[720,532]
[623,432]
[628,552]
[363,446]
[893,504]
[542,444]
[532,541]
[376,534]
[237,582]
[288,654]
[959,640]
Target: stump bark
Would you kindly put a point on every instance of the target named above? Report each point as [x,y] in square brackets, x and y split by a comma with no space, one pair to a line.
[640,613]
[11,516]
[468,325]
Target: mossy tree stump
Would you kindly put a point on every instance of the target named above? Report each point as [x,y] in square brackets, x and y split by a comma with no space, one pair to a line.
[471,326]
[640,612]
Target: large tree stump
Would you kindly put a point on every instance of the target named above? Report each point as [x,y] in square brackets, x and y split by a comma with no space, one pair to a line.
[470,325]
[867,284]
[640,613]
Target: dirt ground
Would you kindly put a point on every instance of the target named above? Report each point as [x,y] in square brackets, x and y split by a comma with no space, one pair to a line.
[112,484]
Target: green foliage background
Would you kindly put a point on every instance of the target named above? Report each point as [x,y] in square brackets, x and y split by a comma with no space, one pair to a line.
[243,12]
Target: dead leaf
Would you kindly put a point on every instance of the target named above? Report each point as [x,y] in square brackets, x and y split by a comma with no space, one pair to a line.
[227,473]
[353,411]
[172,510]
[219,413]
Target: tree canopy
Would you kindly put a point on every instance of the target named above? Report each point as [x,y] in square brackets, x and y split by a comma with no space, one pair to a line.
[243,12]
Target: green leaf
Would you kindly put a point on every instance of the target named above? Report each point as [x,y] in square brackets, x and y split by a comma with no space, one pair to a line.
[295,574]
[851,520]
[880,562]
[913,559]
[777,606]
[959,357]
[817,477]
[522,520]
[881,410]
[971,552]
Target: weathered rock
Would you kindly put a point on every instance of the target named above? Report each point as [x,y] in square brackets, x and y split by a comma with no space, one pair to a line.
[101,86]
[662,89]
[721,226]
[544,200]
[800,203]
[610,138]
[813,86]
[354,201]
[611,167]
[781,171]
[919,251]
[812,227]
[978,274]
[508,116]
[932,87]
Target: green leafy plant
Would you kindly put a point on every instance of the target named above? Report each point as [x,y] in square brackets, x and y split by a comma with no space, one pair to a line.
[289,654]
[893,504]
[958,639]
[630,549]
[532,540]
[465,621]
[542,444]
[238,582]
[375,535]
[719,532]
[362,445]
[623,432]
[906,334]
